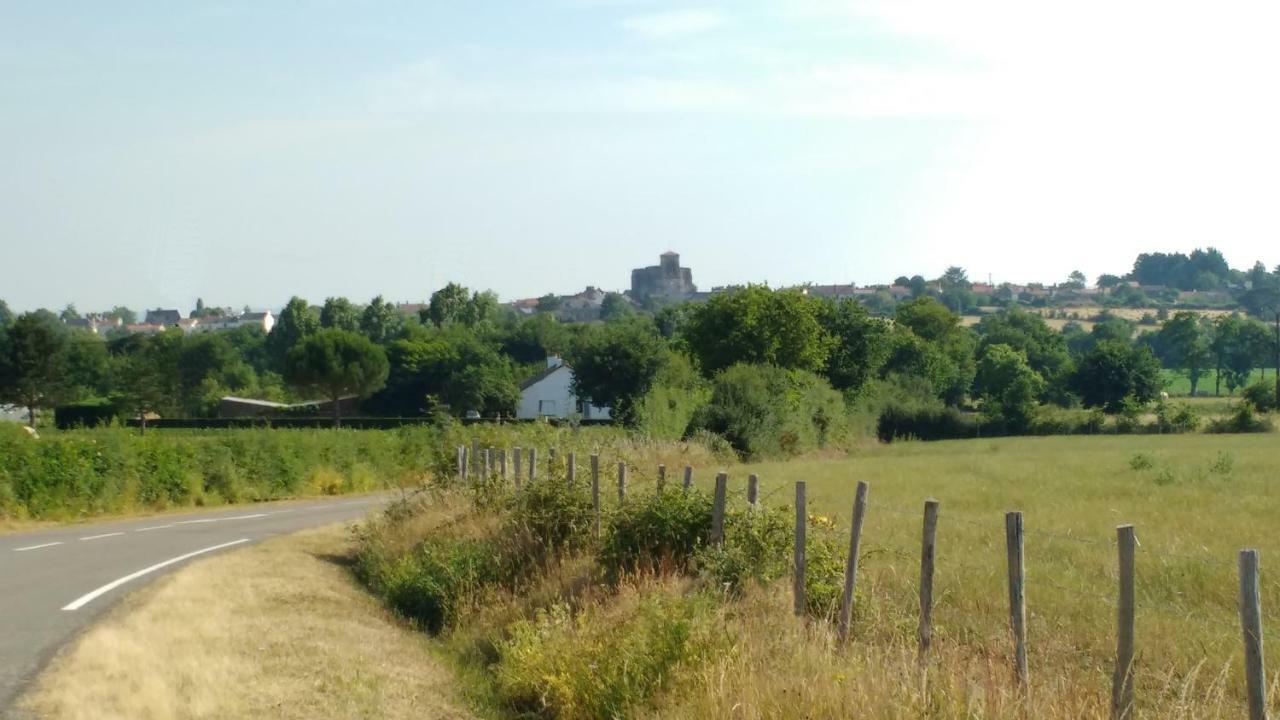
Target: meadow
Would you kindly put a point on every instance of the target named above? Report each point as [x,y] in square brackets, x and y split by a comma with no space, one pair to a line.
[674,642]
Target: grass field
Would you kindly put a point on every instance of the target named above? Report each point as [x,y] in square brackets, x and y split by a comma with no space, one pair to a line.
[1177,384]
[1195,501]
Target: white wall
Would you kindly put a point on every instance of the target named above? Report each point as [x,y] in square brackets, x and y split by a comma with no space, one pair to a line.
[553,396]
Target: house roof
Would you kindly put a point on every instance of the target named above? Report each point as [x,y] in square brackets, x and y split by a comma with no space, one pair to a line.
[541,376]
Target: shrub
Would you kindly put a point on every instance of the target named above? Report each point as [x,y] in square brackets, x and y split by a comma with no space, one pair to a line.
[757,545]
[925,421]
[603,662]
[557,515]
[656,533]
[766,411]
[1176,417]
[1243,420]
[1140,461]
[1262,395]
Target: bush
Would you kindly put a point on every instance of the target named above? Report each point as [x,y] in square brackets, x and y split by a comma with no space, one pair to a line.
[605,662]
[925,421]
[556,515]
[430,585]
[1243,420]
[1176,417]
[758,543]
[1262,395]
[656,533]
[766,411]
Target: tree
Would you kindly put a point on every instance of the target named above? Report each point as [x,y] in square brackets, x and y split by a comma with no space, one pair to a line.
[481,308]
[85,364]
[123,314]
[452,368]
[1263,300]
[1186,345]
[448,304]
[1075,281]
[931,321]
[902,281]
[145,373]
[295,324]
[1106,281]
[860,345]
[919,286]
[6,315]
[1113,372]
[1008,386]
[615,366]
[615,307]
[69,313]
[956,289]
[549,303]
[928,318]
[33,363]
[338,313]
[1045,350]
[380,321]
[756,325]
[337,364]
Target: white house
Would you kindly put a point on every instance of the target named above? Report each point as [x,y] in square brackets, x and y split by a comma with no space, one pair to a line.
[550,394]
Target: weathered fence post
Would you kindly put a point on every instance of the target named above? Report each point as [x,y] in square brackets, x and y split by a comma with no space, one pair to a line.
[515,461]
[753,490]
[502,462]
[1251,623]
[688,476]
[1122,682]
[1017,598]
[466,463]
[801,526]
[533,464]
[928,547]
[462,461]
[488,463]
[717,509]
[851,563]
[622,483]
[595,493]
[662,477]
[571,467]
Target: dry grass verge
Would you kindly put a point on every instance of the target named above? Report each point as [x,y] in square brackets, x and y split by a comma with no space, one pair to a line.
[278,630]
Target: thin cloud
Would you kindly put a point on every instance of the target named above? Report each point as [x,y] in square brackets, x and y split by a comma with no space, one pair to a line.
[674,23]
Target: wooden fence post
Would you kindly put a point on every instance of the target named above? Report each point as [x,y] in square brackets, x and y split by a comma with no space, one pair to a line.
[571,467]
[515,462]
[1122,682]
[753,490]
[801,526]
[1251,623]
[462,461]
[466,463]
[717,509]
[662,477]
[1017,598]
[595,493]
[688,476]
[488,463]
[928,546]
[851,563]
[622,483]
[502,463]
[533,464]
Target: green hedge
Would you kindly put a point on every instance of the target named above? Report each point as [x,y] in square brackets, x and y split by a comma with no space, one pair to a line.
[91,472]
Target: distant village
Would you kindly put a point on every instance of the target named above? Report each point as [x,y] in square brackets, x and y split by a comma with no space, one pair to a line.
[669,283]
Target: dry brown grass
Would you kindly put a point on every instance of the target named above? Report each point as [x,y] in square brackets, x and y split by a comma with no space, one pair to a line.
[279,630]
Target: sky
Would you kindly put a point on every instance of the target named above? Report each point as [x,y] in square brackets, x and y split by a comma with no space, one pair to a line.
[243,152]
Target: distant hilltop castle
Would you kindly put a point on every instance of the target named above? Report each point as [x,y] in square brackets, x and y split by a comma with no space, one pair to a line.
[666,280]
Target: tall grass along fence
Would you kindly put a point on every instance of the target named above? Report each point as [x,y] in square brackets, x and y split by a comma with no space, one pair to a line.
[475,463]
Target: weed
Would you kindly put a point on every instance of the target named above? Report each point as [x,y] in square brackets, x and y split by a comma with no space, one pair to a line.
[1140,461]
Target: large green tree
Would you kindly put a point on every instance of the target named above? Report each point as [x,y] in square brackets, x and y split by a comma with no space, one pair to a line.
[337,364]
[33,363]
[6,315]
[757,325]
[859,348]
[338,313]
[295,324]
[1186,345]
[1045,350]
[1008,386]
[447,305]
[380,321]
[615,366]
[1113,372]
[451,369]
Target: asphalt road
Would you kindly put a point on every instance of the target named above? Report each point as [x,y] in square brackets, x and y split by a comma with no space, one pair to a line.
[54,583]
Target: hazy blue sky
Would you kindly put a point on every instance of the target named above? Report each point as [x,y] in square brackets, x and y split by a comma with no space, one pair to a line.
[153,152]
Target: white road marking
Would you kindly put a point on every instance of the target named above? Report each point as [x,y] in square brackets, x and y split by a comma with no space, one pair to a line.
[196,522]
[91,596]
[154,527]
[245,517]
[99,537]
[37,547]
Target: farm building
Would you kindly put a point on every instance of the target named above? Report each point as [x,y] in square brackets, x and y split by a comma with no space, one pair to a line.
[550,394]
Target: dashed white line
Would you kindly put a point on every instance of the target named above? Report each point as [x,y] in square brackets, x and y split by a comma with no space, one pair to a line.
[99,537]
[196,522]
[154,527]
[245,517]
[91,596]
[37,547]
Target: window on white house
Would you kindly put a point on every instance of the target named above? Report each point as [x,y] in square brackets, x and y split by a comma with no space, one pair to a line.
[546,407]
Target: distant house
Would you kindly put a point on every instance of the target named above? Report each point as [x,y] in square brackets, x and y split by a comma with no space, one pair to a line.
[550,394]
[164,318]
[583,307]
[264,320]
